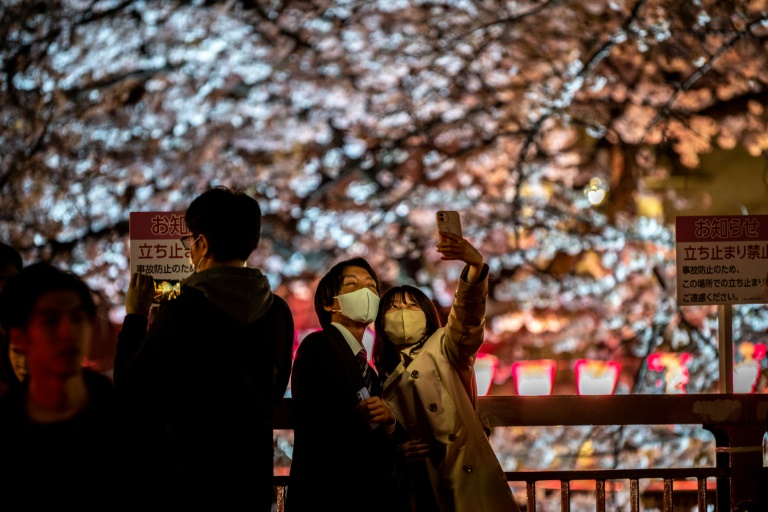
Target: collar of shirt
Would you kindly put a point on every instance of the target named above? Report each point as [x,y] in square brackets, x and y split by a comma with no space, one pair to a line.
[406,358]
[354,345]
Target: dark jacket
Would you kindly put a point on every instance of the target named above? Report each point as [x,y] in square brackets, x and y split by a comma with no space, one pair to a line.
[339,463]
[200,386]
[65,464]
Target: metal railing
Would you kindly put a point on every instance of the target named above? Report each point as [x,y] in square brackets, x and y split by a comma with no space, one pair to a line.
[737,422]
[601,477]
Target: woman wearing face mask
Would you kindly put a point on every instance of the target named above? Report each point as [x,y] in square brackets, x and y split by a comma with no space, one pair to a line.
[430,387]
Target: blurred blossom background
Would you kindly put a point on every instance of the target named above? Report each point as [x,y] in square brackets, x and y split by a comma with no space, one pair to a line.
[569,135]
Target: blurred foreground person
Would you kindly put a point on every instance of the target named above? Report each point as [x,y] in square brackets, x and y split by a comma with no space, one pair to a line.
[59,427]
[13,364]
[200,384]
[430,387]
[342,456]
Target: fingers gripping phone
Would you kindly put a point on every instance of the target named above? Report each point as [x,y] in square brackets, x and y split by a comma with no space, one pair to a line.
[363,394]
[449,222]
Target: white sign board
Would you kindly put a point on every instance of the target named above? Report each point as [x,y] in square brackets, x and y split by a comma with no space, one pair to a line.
[156,249]
[722,259]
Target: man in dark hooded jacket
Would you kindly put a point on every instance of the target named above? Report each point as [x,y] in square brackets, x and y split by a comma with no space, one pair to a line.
[199,386]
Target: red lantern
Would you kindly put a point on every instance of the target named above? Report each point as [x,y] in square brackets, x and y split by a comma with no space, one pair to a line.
[676,366]
[747,372]
[485,370]
[534,378]
[596,377]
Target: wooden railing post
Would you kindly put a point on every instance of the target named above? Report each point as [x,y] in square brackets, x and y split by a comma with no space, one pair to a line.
[740,449]
[530,496]
[565,496]
[722,461]
[634,495]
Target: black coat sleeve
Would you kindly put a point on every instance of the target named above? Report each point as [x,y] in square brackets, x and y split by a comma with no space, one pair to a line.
[283,354]
[142,354]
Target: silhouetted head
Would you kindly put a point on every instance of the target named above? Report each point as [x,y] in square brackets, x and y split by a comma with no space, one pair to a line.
[48,314]
[330,286]
[385,355]
[229,221]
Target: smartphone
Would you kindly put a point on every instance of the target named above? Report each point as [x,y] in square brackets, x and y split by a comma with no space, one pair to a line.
[166,290]
[363,394]
[449,222]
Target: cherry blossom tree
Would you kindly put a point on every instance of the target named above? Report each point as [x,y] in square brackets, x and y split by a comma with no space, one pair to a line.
[352,122]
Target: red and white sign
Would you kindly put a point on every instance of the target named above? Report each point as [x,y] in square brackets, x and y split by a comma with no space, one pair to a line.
[722,259]
[156,246]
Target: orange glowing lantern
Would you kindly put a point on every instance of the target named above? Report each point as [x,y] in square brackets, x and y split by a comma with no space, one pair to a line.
[747,372]
[534,378]
[676,365]
[596,377]
[485,369]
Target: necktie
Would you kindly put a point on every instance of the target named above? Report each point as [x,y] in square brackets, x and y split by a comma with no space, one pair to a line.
[362,361]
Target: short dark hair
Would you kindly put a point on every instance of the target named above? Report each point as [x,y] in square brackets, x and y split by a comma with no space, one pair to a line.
[385,356]
[230,220]
[19,297]
[9,256]
[330,284]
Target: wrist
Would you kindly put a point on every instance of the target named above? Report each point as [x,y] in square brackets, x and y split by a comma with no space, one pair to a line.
[137,311]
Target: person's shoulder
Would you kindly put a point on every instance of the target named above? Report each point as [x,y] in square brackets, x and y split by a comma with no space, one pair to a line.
[436,344]
[314,338]
[10,401]
[279,306]
[187,297]
[436,337]
[13,419]
[190,303]
[317,341]
[98,383]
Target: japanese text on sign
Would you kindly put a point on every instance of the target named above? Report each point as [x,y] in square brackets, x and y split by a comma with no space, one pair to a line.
[156,247]
[722,259]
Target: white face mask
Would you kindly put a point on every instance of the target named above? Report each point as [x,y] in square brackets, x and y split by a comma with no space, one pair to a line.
[191,262]
[194,267]
[405,326]
[359,306]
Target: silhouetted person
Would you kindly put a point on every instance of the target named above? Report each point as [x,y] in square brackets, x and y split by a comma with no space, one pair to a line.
[58,428]
[13,366]
[10,263]
[201,382]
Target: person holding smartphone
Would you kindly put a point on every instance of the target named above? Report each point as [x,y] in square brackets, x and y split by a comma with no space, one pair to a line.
[199,384]
[430,387]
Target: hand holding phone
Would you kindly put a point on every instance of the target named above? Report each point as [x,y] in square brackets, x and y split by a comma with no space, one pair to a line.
[363,394]
[453,246]
[138,298]
[448,221]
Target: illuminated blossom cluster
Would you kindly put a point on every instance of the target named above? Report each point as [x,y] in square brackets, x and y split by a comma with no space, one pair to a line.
[352,122]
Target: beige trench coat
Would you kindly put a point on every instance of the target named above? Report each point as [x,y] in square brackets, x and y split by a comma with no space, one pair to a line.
[435,400]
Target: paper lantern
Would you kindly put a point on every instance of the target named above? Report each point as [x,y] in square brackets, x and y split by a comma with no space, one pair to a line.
[534,378]
[596,377]
[485,370]
[676,366]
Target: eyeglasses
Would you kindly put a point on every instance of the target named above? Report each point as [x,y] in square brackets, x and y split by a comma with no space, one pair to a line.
[186,242]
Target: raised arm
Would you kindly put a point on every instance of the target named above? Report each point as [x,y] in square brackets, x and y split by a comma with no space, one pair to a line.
[466,321]
[453,247]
